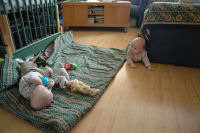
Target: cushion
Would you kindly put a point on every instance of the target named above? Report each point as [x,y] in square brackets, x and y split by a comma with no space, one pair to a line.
[189,1]
[9,73]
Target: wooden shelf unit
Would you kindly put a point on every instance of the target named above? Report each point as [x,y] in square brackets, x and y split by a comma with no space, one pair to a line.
[114,14]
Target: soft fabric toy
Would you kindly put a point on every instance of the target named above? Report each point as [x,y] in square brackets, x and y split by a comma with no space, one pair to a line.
[29,66]
[31,86]
[61,77]
[75,85]
[137,53]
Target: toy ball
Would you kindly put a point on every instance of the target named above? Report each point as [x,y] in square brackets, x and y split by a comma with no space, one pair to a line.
[70,66]
[45,80]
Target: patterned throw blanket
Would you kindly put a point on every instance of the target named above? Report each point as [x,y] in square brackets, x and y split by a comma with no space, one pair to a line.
[169,12]
[96,66]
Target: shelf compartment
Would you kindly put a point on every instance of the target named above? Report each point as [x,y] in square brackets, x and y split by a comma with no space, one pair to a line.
[95,14]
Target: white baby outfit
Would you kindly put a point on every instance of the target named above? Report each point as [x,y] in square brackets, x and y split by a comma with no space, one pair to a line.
[142,56]
[26,86]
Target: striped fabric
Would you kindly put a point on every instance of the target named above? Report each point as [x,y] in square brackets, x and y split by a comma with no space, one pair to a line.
[9,73]
[96,67]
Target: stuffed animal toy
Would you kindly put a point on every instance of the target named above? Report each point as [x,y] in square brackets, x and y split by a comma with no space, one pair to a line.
[31,86]
[61,77]
[137,53]
[75,85]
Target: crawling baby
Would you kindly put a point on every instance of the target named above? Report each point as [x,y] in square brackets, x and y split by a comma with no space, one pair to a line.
[136,53]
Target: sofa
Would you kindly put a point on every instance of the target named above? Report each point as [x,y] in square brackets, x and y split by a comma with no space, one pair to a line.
[172,32]
[175,45]
[137,10]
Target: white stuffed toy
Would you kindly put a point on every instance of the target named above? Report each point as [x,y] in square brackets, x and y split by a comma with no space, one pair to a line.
[61,77]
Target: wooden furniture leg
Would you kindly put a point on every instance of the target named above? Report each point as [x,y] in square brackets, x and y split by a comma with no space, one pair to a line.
[6,35]
[58,21]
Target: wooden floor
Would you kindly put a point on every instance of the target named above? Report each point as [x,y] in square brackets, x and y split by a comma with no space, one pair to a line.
[166,100]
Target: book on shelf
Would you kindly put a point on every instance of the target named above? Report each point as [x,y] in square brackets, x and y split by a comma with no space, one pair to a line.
[99,17]
[95,9]
[99,11]
[99,21]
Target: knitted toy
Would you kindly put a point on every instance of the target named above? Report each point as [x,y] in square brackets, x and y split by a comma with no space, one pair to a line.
[75,85]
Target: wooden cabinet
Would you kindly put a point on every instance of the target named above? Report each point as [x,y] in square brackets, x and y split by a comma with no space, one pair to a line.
[105,14]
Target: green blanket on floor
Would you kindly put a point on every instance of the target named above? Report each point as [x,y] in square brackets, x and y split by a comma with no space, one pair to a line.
[96,67]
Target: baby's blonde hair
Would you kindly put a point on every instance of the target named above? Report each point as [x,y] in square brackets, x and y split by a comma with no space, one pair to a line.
[138,41]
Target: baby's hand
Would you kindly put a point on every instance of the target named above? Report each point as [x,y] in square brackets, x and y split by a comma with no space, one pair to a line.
[131,64]
[150,68]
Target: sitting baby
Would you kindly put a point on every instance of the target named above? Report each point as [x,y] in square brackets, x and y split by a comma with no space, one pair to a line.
[137,53]
[31,86]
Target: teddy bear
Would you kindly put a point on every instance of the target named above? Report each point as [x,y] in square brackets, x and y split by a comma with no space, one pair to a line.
[136,52]
[79,86]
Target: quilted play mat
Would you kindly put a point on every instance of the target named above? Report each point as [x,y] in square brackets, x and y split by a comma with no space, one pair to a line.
[96,67]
